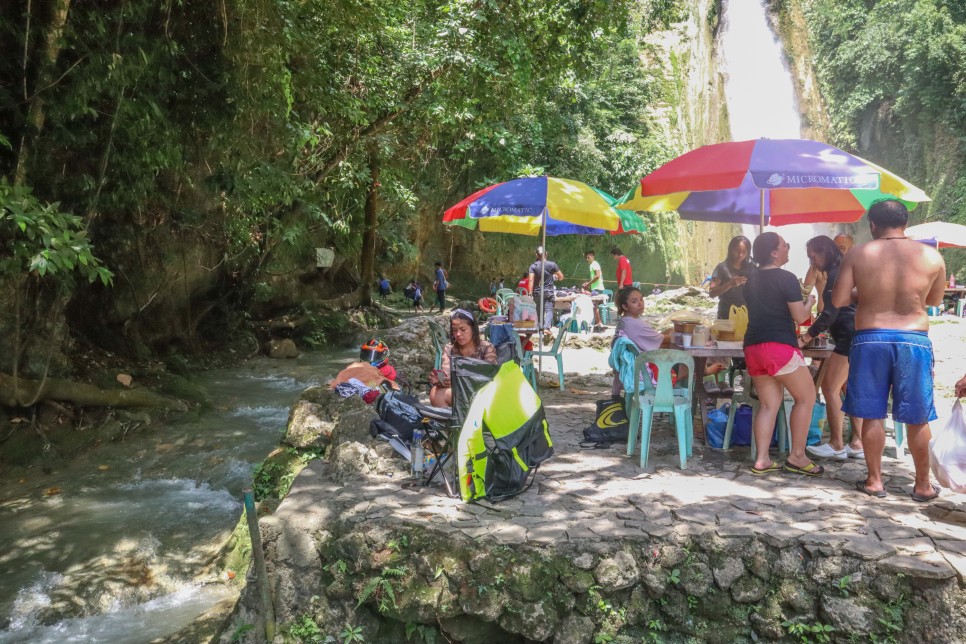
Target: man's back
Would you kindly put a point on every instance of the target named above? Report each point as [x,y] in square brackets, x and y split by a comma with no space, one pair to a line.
[896,279]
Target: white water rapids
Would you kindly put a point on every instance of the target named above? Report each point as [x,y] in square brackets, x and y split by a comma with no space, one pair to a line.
[115,545]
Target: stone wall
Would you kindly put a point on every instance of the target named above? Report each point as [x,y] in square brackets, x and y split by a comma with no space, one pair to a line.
[342,556]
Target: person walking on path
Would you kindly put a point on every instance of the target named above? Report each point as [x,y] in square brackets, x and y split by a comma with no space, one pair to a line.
[624,276]
[774,360]
[595,284]
[440,285]
[548,273]
[893,279]
[729,277]
[825,256]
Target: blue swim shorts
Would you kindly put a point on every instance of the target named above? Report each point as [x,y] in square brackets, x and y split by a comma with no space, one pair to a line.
[882,360]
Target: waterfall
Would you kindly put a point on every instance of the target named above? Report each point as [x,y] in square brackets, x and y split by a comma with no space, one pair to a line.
[761,100]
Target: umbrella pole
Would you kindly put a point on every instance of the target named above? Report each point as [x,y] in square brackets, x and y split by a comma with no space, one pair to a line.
[543,295]
[761,210]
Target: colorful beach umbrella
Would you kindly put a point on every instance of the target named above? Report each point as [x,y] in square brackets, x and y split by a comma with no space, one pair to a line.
[522,206]
[939,234]
[769,182]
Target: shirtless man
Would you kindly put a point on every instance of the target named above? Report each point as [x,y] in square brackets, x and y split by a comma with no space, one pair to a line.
[894,280]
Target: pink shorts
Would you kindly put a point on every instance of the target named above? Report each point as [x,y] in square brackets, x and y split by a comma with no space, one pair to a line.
[773,359]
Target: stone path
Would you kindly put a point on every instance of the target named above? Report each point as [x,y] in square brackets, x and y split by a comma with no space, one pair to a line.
[590,497]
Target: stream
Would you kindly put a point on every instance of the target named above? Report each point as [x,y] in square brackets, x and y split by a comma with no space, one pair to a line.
[113,547]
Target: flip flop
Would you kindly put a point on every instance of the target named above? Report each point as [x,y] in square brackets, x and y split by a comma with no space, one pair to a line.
[879,494]
[774,467]
[809,470]
[923,498]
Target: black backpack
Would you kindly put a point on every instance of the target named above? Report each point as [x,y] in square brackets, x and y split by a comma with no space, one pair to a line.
[397,415]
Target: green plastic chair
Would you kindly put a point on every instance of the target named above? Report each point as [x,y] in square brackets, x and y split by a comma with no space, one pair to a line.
[900,435]
[745,396]
[440,339]
[604,307]
[666,398]
[522,358]
[502,298]
[555,352]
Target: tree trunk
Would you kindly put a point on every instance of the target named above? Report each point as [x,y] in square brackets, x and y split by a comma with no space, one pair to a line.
[36,114]
[82,394]
[367,266]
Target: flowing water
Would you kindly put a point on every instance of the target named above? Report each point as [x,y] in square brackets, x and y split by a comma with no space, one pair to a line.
[761,101]
[114,546]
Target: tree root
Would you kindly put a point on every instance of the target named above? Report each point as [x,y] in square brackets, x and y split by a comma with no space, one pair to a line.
[81,394]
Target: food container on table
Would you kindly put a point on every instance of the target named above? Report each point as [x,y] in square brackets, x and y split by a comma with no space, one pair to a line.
[699,337]
[685,325]
[730,344]
[497,319]
[821,342]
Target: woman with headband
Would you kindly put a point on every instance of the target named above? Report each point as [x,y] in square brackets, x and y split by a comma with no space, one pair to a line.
[465,341]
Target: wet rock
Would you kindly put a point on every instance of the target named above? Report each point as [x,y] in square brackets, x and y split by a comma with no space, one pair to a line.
[847,615]
[282,349]
[617,572]
[574,629]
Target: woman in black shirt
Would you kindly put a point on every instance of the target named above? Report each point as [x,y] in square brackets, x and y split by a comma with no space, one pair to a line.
[775,362]
[729,277]
[826,257]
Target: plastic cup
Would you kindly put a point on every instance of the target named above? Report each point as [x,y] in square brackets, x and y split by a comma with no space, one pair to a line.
[685,339]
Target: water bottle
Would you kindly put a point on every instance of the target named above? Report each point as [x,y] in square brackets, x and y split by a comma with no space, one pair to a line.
[418,454]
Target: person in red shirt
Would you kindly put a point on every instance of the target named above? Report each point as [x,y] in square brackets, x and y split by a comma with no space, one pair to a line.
[524,283]
[624,276]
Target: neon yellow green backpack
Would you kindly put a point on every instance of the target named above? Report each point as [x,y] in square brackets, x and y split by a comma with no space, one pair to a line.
[504,439]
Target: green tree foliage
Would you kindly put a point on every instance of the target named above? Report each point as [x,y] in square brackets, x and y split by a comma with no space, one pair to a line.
[894,75]
[244,126]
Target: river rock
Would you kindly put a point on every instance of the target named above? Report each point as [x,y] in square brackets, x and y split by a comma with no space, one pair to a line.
[282,349]
[306,428]
[410,347]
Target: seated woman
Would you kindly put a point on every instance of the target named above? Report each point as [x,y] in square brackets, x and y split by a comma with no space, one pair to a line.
[465,341]
[630,305]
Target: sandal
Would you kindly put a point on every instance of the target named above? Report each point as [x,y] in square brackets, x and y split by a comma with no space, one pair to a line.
[926,498]
[809,470]
[774,467]
[879,494]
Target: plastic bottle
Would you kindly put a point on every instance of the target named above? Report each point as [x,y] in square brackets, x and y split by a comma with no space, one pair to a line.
[952,280]
[418,453]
